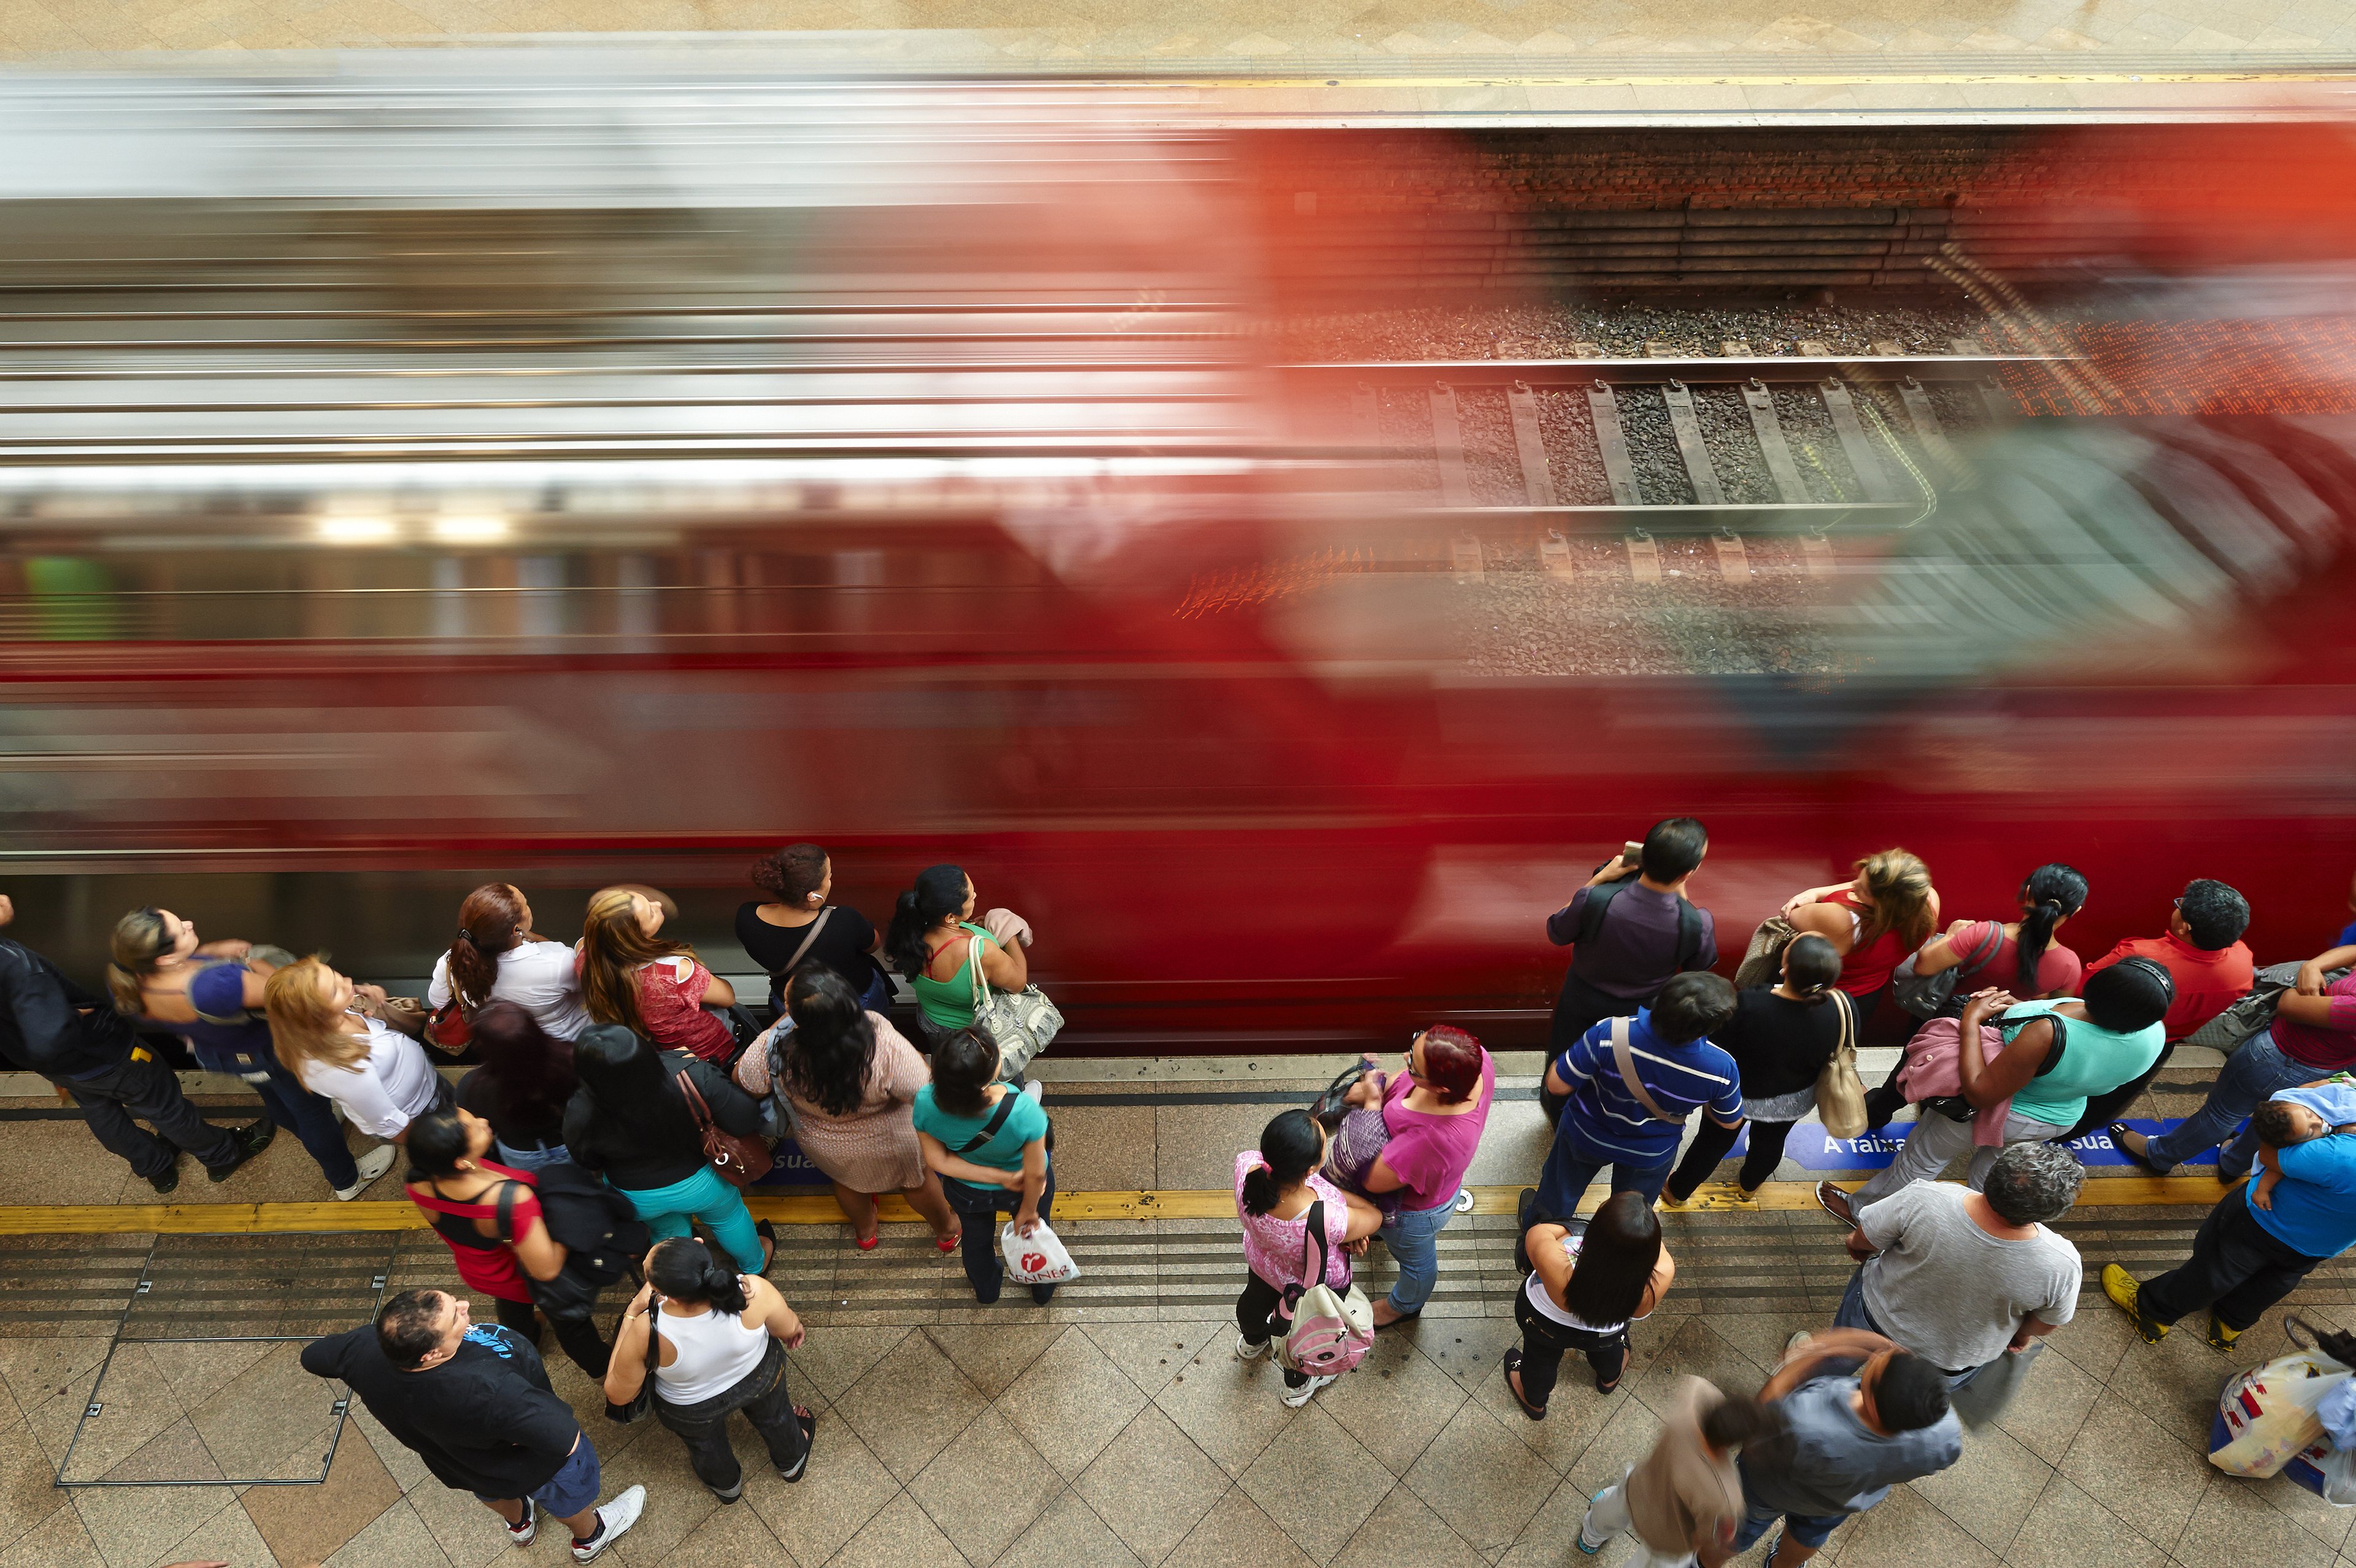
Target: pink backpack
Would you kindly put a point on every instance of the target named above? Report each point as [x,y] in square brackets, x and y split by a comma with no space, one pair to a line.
[1332,1329]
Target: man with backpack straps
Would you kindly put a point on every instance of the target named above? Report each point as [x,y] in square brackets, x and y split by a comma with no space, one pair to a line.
[1631,930]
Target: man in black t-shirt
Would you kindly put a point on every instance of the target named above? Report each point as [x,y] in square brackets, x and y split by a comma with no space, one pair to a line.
[473,1401]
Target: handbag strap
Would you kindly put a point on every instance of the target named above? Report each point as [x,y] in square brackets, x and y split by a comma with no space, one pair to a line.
[1625,1060]
[990,1129]
[816,926]
[654,1337]
[695,1106]
[973,968]
[1314,1259]
[1848,1012]
[1980,955]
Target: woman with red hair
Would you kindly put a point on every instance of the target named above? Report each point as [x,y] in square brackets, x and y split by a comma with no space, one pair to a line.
[1434,1112]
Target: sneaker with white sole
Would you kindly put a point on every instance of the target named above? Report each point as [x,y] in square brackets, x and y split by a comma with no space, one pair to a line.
[613,1518]
[1297,1397]
[1245,1350]
[373,1164]
[1035,1089]
[525,1533]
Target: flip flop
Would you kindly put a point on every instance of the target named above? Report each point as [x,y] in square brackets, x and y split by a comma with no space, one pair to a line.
[1513,1365]
[2115,1129]
[1846,1214]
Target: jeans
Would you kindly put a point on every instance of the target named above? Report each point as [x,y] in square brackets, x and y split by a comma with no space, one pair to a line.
[579,1336]
[1807,1528]
[1608,1516]
[1255,1318]
[1573,1163]
[1413,1237]
[149,1090]
[766,1402]
[1710,1144]
[1937,1142]
[538,1158]
[2238,1268]
[1545,1342]
[313,1119]
[703,1195]
[979,1208]
[2249,1077]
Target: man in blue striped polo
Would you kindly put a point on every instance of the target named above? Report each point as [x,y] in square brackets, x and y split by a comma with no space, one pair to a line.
[1632,1118]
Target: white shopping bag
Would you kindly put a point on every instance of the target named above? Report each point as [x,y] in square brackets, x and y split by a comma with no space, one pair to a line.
[1038,1258]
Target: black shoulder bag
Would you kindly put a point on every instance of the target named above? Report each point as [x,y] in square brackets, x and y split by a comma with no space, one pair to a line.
[638,1408]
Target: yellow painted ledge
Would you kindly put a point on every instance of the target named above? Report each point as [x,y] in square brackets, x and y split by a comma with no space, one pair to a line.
[264,1219]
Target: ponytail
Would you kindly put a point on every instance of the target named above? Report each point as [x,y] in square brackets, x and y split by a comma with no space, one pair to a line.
[1811,965]
[1290,1147]
[2050,895]
[487,924]
[685,1270]
[138,942]
[939,895]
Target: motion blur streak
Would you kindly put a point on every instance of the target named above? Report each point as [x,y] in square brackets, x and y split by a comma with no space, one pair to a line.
[507,464]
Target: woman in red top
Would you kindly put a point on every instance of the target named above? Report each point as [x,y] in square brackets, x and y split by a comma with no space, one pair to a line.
[451,1180]
[1873,921]
[655,989]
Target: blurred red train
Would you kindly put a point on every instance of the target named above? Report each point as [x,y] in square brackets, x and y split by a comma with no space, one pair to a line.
[971,524]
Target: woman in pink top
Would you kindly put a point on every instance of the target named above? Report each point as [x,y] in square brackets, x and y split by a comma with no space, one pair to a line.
[1275,1186]
[1434,1112]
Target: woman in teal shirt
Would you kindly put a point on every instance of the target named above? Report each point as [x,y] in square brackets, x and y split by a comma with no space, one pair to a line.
[988,1140]
[932,941]
[2056,1054]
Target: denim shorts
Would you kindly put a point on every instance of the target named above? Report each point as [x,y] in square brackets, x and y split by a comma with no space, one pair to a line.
[573,1490]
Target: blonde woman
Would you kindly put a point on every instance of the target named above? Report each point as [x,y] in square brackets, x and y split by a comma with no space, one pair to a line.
[631,975]
[381,1076]
[1873,921]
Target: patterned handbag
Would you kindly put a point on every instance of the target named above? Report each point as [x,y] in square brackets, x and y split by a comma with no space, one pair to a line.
[1022,1023]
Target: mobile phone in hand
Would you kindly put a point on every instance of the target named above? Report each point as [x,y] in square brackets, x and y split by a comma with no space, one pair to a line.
[1631,853]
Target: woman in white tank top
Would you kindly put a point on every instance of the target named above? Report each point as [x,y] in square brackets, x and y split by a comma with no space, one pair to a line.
[720,1340]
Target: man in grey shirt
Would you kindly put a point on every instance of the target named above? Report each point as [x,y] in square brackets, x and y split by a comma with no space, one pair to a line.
[1859,1415]
[1961,1277]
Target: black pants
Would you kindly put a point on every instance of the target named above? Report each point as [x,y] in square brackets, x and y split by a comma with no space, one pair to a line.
[579,1336]
[1256,1314]
[1709,1145]
[1580,1008]
[2101,1110]
[1545,1342]
[149,1091]
[978,1208]
[767,1404]
[2238,1269]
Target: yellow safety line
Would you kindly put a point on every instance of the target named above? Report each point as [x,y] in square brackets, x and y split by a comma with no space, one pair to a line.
[1792,79]
[1213,1203]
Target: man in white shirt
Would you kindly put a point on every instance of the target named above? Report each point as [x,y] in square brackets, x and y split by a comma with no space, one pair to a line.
[1962,1277]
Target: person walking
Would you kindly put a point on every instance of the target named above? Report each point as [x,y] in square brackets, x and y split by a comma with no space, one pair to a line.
[83,1044]
[1858,1414]
[796,925]
[2055,1054]
[525,1082]
[1587,1281]
[850,1082]
[934,941]
[1633,1124]
[473,1401]
[987,1140]
[1780,1039]
[1278,1188]
[1961,1278]
[2313,1036]
[496,956]
[631,1122]
[490,1215]
[635,977]
[1630,930]
[381,1077]
[720,1340]
[210,995]
[1433,1113]
[1683,1501]
[2247,1256]
[2210,966]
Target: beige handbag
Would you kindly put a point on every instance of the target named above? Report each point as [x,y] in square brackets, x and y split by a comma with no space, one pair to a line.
[1840,1093]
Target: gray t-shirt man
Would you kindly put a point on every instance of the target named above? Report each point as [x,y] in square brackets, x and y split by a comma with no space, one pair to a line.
[1835,1463]
[1950,1291]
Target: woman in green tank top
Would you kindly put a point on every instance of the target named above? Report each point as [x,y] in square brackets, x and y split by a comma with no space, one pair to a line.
[932,941]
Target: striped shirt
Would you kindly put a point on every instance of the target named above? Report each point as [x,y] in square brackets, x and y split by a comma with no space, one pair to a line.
[1678,1078]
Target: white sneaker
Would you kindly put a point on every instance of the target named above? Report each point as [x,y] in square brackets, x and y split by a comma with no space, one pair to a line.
[612,1520]
[373,1164]
[1248,1351]
[1297,1397]
[1037,1090]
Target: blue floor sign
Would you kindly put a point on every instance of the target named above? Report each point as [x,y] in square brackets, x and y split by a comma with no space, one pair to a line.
[1815,1149]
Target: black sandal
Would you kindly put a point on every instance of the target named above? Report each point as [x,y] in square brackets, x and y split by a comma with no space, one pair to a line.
[1845,1213]
[1513,1365]
[2119,1142]
[810,1430]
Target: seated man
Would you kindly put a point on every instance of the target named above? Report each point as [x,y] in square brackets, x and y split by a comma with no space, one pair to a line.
[1961,1277]
[2247,1255]
[2312,1037]
[1635,1127]
[1629,930]
[2204,954]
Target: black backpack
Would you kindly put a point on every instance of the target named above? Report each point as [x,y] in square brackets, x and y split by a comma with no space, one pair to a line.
[601,1233]
[1599,898]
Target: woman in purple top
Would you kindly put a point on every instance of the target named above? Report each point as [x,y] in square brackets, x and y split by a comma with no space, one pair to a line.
[1434,1112]
[1277,1184]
